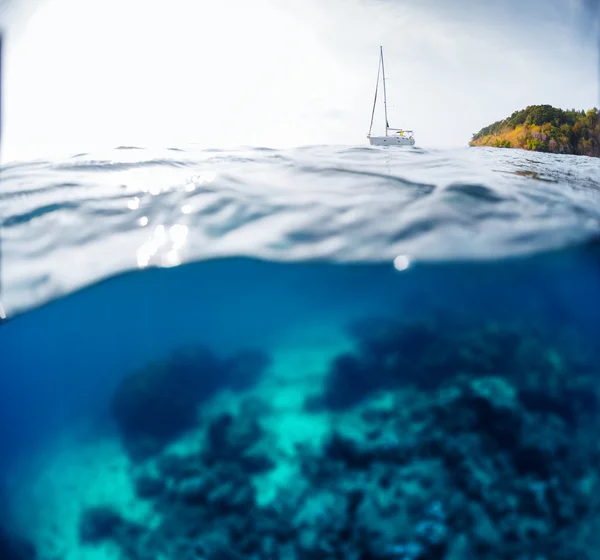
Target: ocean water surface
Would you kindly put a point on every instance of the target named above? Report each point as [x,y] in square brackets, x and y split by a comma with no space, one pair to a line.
[320,353]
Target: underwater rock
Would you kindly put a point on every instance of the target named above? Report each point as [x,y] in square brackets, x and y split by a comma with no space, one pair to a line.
[13,547]
[192,491]
[148,487]
[219,505]
[548,368]
[470,460]
[513,479]
[102,523]
[98,524]
[245,368]
[155,405]
[487,405]
[524,472]
[349,382]
[177,467]
[208,508]
[237,439]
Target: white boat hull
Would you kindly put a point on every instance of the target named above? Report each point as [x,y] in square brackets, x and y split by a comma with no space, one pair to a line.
[391,141]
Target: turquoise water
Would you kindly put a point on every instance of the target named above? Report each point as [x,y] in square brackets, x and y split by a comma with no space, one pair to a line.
[377,400]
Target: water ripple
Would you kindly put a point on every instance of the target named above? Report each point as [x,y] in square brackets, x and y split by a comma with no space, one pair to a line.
[70,223]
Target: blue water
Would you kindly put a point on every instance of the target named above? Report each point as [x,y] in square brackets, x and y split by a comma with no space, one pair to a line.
[112,212]
[115,261]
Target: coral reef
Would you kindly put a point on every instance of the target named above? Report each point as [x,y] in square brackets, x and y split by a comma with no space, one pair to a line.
[14,548]
[156,404]
[472,442]
[510,480]
[392,354]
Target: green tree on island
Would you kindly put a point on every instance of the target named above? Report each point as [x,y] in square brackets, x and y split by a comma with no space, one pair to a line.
[544,128]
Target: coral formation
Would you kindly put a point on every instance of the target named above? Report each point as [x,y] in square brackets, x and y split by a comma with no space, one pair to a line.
[471,442]
[426,354]
[13,547]
[156,404]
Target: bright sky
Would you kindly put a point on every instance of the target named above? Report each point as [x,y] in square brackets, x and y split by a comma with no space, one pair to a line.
[87,74]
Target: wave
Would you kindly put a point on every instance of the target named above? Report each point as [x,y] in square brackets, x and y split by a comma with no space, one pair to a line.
[68,223]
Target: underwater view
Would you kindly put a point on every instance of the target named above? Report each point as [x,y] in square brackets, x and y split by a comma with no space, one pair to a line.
[318,353]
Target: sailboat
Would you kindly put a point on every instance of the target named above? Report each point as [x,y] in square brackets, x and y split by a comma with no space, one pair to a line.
[398,136]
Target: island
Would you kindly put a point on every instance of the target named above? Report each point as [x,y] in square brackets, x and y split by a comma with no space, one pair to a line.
[544,128]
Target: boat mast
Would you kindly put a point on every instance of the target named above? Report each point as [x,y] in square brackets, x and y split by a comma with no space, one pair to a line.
[384,92]
[375,100]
